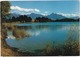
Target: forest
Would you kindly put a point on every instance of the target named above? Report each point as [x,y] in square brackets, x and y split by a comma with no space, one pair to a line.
[25,18]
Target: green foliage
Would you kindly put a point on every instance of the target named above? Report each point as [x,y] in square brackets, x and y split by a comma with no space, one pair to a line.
[21,18]
[43,19]
[5,8]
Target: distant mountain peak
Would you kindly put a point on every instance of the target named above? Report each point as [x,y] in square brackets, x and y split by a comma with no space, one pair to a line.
[34,15]
[55,16]
[52,16]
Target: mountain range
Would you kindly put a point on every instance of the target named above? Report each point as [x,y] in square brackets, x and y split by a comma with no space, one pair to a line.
[52,16]
[55,16]
[33,15]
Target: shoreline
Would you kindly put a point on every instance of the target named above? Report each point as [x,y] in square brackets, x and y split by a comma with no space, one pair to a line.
[6,50]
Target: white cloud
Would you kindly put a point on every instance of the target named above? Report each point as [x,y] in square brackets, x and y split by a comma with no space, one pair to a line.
[24,9]
[37,10]
[69,15]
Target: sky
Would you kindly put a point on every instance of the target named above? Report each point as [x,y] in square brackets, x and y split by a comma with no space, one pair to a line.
[66,8]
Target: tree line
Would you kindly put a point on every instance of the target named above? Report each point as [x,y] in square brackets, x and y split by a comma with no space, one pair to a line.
[25,18]
[21,18]
[5,8]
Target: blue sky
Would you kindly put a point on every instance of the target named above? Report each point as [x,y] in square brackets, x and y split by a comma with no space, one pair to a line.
[45,7]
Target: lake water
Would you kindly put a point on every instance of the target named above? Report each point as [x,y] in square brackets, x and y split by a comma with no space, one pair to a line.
[43,34]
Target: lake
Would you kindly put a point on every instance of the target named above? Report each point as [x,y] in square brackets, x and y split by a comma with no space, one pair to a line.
[42,34]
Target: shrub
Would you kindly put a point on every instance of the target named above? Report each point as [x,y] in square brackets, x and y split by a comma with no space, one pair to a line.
[19,33]
[48,49]
[3,32]
[71,47]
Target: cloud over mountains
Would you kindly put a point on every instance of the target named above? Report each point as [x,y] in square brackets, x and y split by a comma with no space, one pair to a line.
[24,9]
[68,15]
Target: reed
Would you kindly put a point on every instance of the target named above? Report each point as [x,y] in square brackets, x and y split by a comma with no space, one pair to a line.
[20,33]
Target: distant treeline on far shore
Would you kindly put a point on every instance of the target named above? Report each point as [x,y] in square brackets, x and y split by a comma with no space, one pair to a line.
[24,18]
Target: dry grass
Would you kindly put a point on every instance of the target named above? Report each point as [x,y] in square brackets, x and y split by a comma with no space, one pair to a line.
[19,33]
[48,49]
[6,50]
[69,48]
[3,31]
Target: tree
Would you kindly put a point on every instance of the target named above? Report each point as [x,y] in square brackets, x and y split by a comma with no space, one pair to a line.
[43,19]
[13,19]
[5,8]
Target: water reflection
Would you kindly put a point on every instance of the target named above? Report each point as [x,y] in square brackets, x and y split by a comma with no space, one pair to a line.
[41,34]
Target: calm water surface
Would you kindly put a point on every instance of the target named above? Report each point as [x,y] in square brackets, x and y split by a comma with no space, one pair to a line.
[43,34]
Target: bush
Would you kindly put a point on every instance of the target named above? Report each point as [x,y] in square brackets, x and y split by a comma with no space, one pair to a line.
[19,33]
[48,50]
[71,47]
[3,32]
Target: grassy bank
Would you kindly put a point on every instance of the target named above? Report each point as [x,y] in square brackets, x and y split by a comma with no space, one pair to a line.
[17,33]
[6,50]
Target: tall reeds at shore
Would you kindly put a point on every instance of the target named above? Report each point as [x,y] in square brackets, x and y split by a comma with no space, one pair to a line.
[3,31]
[6,50]
[70,47]
[48,49]
[19,33]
